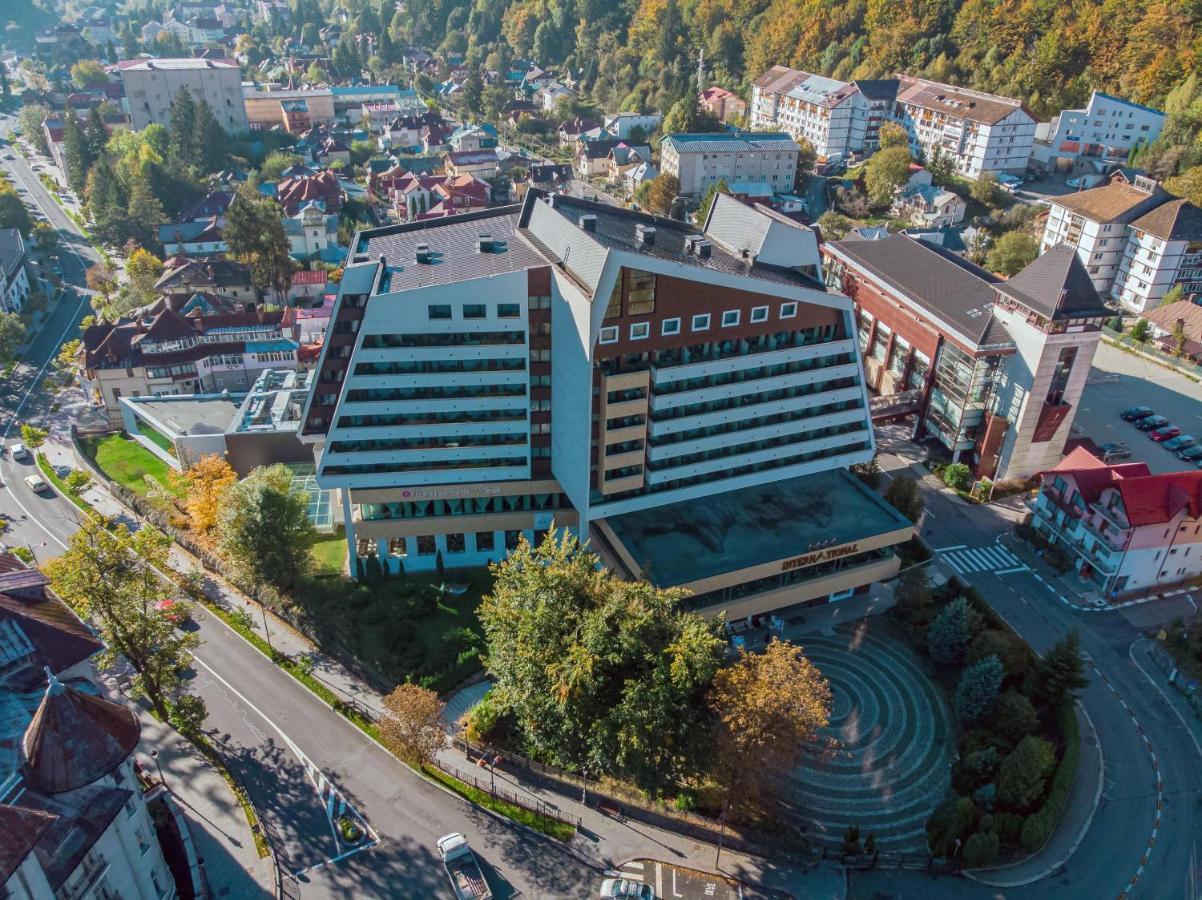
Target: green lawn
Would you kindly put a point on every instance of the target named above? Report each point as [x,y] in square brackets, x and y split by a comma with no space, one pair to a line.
[156,437]
[130,464]
[329,553]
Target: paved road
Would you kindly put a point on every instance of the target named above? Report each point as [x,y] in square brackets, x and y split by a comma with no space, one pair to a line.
[1127,838]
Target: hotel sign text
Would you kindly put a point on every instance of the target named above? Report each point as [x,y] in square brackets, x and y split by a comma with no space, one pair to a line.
[810,559]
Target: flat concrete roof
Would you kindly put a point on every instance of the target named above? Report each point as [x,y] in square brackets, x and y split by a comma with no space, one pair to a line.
[188,415]
[707,536]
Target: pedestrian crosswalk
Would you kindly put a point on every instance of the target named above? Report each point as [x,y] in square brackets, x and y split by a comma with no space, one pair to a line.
[996,559]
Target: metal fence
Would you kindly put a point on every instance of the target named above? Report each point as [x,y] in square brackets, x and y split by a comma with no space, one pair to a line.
[1187,687]
[540,808]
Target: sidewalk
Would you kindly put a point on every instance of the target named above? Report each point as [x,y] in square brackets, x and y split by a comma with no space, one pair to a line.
[220,833]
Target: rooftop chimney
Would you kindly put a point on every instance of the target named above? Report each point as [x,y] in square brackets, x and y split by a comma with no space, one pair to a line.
[645,234]
[588,222]
[383,261]
[423,253]
[484,242]
[703,248]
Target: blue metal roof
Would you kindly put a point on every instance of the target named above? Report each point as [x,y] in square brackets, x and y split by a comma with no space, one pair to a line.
[280,344]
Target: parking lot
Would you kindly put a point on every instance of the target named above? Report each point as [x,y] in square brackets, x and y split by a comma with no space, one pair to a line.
[1140,382]
[671,882]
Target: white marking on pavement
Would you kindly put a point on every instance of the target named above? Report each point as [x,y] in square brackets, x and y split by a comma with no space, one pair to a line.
[949,549]
[1012,571]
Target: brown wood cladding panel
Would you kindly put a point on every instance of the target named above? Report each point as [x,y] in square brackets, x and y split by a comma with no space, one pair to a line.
[538,281]
[921,334]
[683,299]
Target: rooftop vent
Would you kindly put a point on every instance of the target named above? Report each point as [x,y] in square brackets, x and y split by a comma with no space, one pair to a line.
[484,242]
[423,253]
[645,234]
[588,222]
[703,248]
[383,261]
[690,243]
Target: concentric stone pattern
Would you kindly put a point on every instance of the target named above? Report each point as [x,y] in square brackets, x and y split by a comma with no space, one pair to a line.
[890,765]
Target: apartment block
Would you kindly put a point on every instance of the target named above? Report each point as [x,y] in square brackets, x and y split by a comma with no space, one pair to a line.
[1095,223]
[688,399]
[1127,530]
[1163,250]
[151,84]
[832,115]
[993,370]
[1108,127]
[702,160]
[980,132]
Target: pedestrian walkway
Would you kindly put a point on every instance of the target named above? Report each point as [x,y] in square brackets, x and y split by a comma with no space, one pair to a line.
[993,558]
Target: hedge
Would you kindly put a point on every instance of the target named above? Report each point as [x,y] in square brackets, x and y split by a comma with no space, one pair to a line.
[1039,825]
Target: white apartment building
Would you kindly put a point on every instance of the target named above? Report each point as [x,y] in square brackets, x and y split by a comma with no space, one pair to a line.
[151,85]
[14,274]
[641,382]
[1095,223]
[832,115]
[980,132]
[1107,128]
[1163,249]
[702,160]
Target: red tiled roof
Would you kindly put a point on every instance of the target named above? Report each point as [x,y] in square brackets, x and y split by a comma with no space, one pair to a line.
[307,277]
[1148,499]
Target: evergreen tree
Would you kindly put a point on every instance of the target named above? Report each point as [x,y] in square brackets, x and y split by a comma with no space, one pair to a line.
[708,199]
[1060,674]
[950,633]
[95,134]
[209,138]
[976,693]
[143,215]
[1021,776]
[6,89]
[473,91]
[78,154]
[130,45]
[387,49]
[182,134]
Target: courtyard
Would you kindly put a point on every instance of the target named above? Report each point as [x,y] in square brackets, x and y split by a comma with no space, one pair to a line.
[893,732]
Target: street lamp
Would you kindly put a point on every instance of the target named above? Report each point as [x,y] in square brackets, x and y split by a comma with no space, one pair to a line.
[721,830]
[154,754]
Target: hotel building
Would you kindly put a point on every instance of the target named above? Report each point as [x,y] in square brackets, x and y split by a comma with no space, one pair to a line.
[667,392]
[993,370]
[1107,127]
[832,115]
[1127,530]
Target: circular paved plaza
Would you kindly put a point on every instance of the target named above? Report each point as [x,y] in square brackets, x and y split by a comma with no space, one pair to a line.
[891,763]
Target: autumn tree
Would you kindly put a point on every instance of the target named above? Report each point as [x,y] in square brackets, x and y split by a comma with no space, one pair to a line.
[109,577]
[885,173]
[985,190]
[660,192]
[893,135]
[263,528]
[412,726]
[599,674]
[32,436]
[767,708]
[143,270]
[207,481]
[1012,252]
[12,335]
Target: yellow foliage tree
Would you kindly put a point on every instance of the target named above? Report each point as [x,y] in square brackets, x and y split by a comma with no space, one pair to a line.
[768,707]
[207,481]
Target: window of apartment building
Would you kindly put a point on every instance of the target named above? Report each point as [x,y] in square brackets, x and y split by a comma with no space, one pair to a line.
[730,318]
[485,541]
[397,547]
[701,322]
[759,314]
[670,326]
[456,543]
[426,545]
[541,302]
[540,355]
[508,310]
[439,310]
[640,293]
[788,310]
[474,310]
[511,539]
[640,330]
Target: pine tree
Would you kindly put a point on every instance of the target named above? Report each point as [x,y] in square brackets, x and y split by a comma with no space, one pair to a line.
[950,633]
[143,215]
[708,199]
[182,133]
[387,49]
[977,690]
[95,134]
[1061,673]
[209,138]
[75,147]
[473,91]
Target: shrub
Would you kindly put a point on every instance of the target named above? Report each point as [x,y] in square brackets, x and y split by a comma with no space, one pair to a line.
[188,714]
[1005,646]
[957,476]
[981,849]
[1009,827]
[1014,717]
[1023,773]
[684,802]
[482,720]
[1037,828]
[955,819]
[977,689]
[949,633]
[976,769]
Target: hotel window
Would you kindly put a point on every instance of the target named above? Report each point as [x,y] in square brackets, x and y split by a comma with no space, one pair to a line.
[439,310]
[788,310]
[640,330]
[426,545]
[670,326]
[485,541]
[456,543]
[701,322]
[397,548]
[511,539]
[609,334]
[640,293]
[730,318]
[474,311]
[759,314]
[508,311]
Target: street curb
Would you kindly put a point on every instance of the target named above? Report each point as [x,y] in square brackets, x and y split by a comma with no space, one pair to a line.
[1177,712]
[1080,837]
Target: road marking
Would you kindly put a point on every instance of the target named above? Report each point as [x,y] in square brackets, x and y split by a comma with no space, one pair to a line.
[949,549]
[1014,570]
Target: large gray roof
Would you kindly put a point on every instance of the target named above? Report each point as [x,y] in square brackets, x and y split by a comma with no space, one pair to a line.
[1057,285]
[942,283]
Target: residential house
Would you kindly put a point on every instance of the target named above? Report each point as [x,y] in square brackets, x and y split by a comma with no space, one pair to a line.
[549,95]
[265,107]
[295,114]
[14,273]
[1108,127]
[628,126]
[722,104]
[701,160]
[313,233]
[633,178]
[213,275]
[1127,531]
[993,370]
[468,138]
[308,287]
[570,130]
[296,191]
[1165,321]
[472,162]
[929,206]
[624,157]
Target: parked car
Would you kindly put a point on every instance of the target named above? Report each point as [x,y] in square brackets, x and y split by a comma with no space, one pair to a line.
[1189,454]
[19,451]
[1147,423]
[1114,450]
[1164,432]
[462,868]
[1135,413]
[175,612]
[1084,182]
[1181,442]
[626,889]
[36,483]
